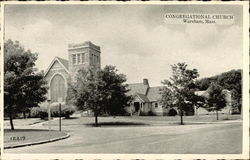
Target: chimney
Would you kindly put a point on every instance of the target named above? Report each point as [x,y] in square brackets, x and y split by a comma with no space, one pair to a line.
[145,81]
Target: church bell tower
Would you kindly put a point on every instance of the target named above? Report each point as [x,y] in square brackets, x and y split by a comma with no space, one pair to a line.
[83,55]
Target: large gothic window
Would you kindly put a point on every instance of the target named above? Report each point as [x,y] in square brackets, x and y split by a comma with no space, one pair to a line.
[57,88]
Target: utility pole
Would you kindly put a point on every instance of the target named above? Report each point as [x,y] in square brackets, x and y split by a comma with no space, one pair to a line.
[60,115]
[49,115]
[60,123]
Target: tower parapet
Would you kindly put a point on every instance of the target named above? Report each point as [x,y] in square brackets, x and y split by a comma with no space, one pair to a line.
[83,55]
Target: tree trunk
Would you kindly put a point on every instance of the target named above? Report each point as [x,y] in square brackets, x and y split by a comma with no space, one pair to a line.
[11,120]
[217,115]
[181,118]
[24,115]
[181,114]
[29,114]
[96,120]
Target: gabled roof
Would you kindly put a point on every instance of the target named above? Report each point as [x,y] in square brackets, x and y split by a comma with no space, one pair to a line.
[142,97]
[62,61]
[154,94]
[137,88]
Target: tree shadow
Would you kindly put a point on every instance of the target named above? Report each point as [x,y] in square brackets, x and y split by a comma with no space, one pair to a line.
[120,124]
[71,118]
[25,130]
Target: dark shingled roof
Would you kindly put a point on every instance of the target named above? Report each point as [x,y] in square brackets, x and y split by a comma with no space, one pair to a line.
[137,88]
[142,97]
[64,62]
[146,93]
[154,94]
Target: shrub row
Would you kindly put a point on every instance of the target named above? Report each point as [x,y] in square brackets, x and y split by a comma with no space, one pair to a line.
[42,111]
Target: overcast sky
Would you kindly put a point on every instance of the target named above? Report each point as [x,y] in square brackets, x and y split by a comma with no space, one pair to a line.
[134,38]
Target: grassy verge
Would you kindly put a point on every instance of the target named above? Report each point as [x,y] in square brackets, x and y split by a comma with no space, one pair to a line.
[22,136]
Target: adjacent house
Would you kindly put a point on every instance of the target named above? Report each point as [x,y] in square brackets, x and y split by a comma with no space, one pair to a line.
[227,110]
[146,99]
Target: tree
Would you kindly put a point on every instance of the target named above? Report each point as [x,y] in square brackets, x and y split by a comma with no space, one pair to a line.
[193,99]
[231,80]
[115,84]
[99,90]
[177,91]
[216,100]
[23,88]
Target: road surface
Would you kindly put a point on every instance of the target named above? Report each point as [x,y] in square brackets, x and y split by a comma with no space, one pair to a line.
[221,138]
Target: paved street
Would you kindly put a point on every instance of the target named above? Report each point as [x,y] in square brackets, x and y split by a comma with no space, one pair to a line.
[194,139]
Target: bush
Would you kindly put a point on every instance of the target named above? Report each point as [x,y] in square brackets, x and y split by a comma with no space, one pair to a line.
[68,111]
[42,111]
[151,113]
[172,112]
[141,113]
[35,112]
[43,115]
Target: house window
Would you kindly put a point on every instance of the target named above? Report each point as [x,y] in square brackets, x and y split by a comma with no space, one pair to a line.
[97,59]
[156,105]
[74,59]
[83,57]
[78,58]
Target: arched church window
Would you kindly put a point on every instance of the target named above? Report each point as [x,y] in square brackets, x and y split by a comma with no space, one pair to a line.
[57,88]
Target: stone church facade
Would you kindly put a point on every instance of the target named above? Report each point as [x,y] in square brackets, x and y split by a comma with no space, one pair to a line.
[61,71]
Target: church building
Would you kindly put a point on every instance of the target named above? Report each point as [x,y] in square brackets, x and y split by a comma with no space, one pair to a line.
[61,71]
[84,55]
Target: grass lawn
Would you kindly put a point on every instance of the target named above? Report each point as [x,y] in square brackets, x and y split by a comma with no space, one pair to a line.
[139,120]
[22,136]
[23,122]
[200,118]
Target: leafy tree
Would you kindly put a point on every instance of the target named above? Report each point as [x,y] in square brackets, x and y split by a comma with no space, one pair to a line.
[231,80]
[216,100]
[177,91]
[193,99]
[100,90]
[23,88]
[114,83]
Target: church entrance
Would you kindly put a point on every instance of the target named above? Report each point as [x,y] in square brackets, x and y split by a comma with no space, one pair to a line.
[57,88]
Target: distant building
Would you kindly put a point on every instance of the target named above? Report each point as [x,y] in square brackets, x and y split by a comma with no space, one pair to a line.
[61,71]
[227,110]
[146,99]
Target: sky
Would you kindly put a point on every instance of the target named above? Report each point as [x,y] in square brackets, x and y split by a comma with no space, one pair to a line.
[134,38]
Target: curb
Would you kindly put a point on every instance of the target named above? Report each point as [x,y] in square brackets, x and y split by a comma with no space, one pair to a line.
[39,142]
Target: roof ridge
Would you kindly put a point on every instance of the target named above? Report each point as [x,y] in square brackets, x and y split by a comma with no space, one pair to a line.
[134,83]
[62,58]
